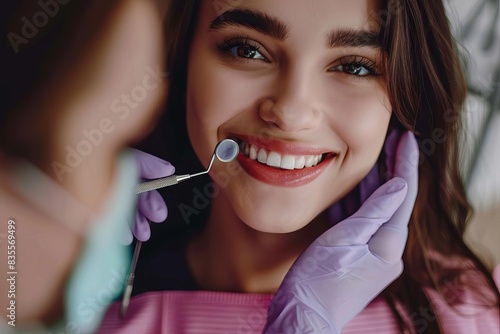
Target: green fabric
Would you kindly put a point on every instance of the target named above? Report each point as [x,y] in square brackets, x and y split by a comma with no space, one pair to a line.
[99,276]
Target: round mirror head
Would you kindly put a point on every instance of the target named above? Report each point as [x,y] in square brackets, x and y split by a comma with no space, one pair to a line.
[227,150]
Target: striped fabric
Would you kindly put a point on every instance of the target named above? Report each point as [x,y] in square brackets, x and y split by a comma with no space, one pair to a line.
[207,312]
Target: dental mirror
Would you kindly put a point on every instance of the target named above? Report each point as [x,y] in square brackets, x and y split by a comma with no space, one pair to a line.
[226,150]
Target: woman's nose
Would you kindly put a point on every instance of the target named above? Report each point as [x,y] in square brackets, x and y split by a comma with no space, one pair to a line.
[292,106]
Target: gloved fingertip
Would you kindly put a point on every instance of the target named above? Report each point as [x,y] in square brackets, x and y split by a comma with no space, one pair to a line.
[408,141]
[141,229]
[152,167]
[152,206]
[161,215]
[143,235]
[160,209]
[169,168]
[163,168]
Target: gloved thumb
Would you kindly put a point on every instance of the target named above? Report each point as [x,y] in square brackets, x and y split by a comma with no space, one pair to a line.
[375,211]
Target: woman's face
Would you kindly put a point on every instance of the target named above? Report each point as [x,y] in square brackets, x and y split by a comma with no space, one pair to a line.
[299,85]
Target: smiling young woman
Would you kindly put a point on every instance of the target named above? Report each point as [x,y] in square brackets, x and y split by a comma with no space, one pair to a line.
[312,91]
[295,80]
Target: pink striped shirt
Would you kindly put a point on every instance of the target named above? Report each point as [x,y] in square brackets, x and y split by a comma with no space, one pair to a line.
[196,312]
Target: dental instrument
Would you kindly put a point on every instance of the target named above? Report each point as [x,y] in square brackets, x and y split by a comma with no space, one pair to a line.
[225,151]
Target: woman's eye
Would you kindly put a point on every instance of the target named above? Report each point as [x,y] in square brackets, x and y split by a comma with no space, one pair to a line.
[357,66]
[242,48]
[245,51]
[354,69]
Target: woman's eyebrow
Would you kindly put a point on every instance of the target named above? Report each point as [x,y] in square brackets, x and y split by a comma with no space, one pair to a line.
[256,20]
[275,28]
[353,38]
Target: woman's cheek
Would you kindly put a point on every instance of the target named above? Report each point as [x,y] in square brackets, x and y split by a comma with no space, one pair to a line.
[216,96]
[362,125]
[217,93]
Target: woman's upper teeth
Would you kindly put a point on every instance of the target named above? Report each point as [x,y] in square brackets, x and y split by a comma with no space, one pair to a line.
[275,159]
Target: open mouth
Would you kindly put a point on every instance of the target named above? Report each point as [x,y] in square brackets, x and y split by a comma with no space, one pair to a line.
[299,165]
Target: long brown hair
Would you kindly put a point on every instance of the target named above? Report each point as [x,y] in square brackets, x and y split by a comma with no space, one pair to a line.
[426,87]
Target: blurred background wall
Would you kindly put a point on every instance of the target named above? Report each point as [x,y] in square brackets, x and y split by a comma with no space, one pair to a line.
[476,24]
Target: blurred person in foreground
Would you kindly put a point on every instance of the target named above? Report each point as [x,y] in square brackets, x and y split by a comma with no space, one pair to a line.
[82,80]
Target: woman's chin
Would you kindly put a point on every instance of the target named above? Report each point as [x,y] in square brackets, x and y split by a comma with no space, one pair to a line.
[277,226]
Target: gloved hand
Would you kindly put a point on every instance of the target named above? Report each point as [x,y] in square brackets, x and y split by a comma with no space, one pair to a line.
[352,262]
[150,205]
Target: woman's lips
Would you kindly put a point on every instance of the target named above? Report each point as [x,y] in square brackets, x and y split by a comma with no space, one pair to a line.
[281,163]
[281,177]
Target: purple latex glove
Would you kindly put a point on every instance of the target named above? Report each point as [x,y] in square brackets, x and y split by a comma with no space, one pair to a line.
[352,262]
[150,206]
